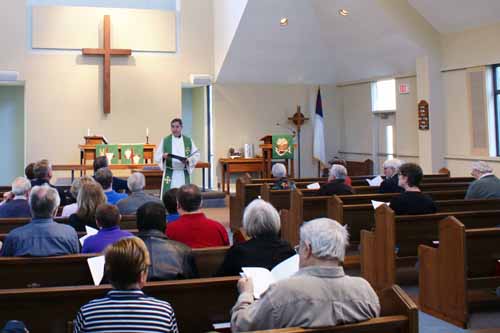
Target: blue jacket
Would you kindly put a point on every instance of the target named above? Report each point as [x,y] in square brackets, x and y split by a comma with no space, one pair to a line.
[15,208]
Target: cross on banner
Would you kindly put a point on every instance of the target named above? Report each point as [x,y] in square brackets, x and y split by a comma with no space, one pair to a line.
[107,52]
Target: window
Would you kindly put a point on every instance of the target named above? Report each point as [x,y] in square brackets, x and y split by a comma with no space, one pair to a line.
[496,101]
[384,95]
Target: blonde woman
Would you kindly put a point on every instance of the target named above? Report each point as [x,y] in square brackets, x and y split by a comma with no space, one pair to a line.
[89,198]
[75,188]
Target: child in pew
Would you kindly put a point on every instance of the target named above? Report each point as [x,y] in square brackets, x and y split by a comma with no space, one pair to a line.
[107,219]
[412,201]
[170,202]
[261,221]
[126,308]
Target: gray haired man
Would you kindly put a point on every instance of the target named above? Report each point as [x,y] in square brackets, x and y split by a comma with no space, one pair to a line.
[486,185]
[136,183]
[42,236]
[318,295]
[16,202]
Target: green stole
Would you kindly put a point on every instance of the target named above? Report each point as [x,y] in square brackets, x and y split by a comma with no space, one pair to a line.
[168,171]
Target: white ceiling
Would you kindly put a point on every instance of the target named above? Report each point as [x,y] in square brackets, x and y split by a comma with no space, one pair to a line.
[458,15]
[319,46]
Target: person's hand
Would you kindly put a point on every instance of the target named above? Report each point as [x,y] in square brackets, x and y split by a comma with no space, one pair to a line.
[166,155]
[7,196]
[245,285]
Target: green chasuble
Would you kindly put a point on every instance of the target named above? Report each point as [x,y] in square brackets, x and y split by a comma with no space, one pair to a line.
[168,170]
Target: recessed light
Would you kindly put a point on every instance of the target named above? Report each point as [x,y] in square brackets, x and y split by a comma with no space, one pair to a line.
[343,12]
[284,21]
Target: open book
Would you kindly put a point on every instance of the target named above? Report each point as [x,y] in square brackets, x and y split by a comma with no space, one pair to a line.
[263,278]
[377,204]
[375,181]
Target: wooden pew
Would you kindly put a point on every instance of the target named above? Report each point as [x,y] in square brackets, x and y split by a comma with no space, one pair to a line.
[361,216]
[198,303]
[280,199]
[72,270]
[426,187]
[425,180]
[458,276]
[7,224]
[378,247]
[399,314]
[386,197]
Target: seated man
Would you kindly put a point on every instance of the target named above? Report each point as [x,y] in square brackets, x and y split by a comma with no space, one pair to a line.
[126,308]
[282,183]
[336,182]
[170,203]
[42,170]
[42,236]
[169,259]
[107,218]
[136,183]
[486,185]
[29,171]
[319,294]
[119,185]
[18,206]
[193,228]
[105,178]
[412,201]
[391,172]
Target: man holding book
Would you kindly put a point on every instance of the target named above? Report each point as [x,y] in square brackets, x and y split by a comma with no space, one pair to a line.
[319,294]
[177,156]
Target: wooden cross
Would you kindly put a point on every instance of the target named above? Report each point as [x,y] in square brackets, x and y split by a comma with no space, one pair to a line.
[298,119]
[107,52]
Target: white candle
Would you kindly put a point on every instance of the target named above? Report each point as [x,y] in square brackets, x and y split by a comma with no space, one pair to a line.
[147,131]
[88,131]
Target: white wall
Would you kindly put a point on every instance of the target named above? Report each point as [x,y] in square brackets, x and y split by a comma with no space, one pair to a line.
[64,92]
[470,48]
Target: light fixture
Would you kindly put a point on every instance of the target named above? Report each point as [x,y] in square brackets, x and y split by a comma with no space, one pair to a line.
[284,21]
[343,12]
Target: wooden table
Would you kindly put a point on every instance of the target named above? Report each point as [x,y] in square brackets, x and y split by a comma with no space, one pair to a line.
[239,165]
[154,177]
[87,153]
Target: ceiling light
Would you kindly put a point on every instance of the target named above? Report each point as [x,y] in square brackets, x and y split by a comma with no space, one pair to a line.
[284,21]
[343,12]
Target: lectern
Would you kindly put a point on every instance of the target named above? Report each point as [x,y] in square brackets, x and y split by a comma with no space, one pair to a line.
[95,140]
[267,154]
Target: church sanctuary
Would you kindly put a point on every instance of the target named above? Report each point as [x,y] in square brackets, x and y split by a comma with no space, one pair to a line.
[270,166]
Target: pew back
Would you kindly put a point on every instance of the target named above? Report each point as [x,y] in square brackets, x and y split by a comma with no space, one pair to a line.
[198,303]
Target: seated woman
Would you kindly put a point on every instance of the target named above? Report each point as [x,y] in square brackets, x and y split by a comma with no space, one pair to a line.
[89,198]
[75,188]
[342,162]
[261,221]
[391,172]
[336,182]
[412,201]
[282,183]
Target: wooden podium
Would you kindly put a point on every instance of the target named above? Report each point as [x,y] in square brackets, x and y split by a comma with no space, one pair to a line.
[267,153]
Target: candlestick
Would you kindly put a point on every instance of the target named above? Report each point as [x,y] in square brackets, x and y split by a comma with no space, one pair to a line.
[88,131]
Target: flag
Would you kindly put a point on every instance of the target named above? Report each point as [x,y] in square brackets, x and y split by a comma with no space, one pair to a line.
[319,132]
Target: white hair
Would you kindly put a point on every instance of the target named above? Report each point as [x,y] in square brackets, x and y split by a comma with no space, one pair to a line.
[394,164]
[338,171]
[44,201]
[136,182]
[21,186]
[482,167]
[328,238]
[261,218]
[279,170]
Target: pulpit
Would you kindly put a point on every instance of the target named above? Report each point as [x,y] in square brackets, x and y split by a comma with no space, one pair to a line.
[267,154]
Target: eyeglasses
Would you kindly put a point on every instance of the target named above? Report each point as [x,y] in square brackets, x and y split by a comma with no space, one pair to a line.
[296,248]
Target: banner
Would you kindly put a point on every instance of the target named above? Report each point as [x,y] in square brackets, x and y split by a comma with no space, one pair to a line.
[132,154]
[283,146]
[110,151]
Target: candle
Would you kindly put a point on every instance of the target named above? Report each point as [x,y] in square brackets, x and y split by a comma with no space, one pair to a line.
[88,131]
[147,131]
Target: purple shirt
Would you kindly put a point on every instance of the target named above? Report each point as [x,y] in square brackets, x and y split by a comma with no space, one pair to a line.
[106,236]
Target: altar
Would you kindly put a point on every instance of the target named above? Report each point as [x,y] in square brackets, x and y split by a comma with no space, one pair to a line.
[88,151]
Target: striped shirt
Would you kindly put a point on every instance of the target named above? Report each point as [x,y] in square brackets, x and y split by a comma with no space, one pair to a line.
[126,311]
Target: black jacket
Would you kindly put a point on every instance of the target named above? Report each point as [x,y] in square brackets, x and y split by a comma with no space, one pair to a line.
[170,259]
[390,185]
[412,203]
[264,252]
[336,186]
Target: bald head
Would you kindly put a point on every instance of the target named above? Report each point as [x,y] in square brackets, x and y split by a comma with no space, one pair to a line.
[44,201]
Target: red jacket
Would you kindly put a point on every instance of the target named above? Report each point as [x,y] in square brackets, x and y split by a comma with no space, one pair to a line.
[196,230]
